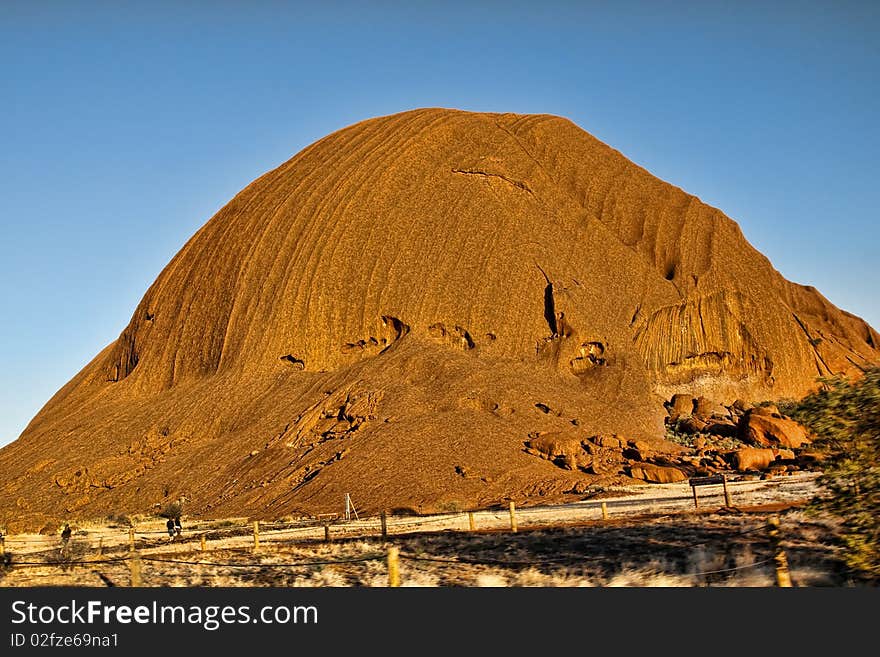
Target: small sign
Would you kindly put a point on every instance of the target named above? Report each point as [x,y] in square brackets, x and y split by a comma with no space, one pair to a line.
[706,481]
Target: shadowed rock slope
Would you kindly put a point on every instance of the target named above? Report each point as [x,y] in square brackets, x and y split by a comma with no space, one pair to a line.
[394,311]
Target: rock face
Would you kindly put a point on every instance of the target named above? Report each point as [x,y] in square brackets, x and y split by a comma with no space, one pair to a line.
[410,296]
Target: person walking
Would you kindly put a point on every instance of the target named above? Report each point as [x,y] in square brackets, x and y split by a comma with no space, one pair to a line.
[170,526]
[65,539]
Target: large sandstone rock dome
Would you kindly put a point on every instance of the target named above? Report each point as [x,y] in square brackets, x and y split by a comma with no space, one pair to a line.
[392,312]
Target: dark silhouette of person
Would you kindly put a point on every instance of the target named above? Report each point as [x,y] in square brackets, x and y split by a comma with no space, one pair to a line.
[65,538]
[170,526]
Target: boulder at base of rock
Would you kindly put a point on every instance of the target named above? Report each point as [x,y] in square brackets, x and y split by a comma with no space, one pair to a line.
[611,441]
[553,445]
[725,428]
[641,445]
[691,425]
[770,410]
[771,431]
[681,405]
[751,458]
[633,454]
[656,474]
[706,408]
[580,488]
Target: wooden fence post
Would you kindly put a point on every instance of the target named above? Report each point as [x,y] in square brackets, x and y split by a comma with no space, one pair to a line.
[384,522]
[696,504]
[783,576]
[2,545]
[256,535]
[472,523]
[604,511]
[512,516]
[727,502]
[100,547]
[393,566]
[204,542]
[326,532]
[134,564]
[131,539]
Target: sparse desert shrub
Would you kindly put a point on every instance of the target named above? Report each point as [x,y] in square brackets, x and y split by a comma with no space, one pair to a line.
[451,506]
[845,416]
[220,524]
[172,510]
[120,520]
[677,437]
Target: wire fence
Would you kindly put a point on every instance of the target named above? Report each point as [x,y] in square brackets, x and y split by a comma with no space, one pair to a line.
[486,521]
[130,546]
[146,545]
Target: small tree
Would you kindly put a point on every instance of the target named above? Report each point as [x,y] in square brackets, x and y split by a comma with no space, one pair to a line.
[173,509]
[845,415]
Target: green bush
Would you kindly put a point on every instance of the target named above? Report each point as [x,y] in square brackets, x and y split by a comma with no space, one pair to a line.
[845,416]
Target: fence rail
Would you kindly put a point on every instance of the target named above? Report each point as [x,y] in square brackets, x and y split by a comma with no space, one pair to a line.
[236,537]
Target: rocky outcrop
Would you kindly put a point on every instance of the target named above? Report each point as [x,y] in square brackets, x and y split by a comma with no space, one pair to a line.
[425,258]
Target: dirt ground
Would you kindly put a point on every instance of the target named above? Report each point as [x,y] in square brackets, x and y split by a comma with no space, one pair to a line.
[652,536]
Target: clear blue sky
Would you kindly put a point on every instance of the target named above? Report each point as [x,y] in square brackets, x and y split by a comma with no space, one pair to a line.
[123,129]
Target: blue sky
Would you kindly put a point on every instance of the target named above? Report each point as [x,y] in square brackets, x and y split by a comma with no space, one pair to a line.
[123,129]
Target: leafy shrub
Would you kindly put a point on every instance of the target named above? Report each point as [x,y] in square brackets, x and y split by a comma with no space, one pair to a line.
[845,416]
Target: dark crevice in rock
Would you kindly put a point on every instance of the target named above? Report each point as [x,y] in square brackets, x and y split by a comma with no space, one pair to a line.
[475,172]
[635,314]
[400,328]
[550,309]
[549,305]
[858,366]
[362,345]
[813,345]
[293,360]
[465,337]
[457,337]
